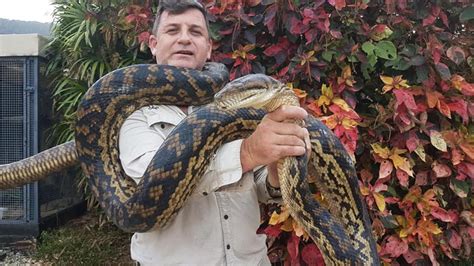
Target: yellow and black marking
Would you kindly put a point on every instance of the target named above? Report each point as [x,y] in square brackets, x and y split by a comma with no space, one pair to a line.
[341,230]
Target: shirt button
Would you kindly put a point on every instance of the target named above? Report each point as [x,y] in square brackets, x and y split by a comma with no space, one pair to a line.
[228,246]
[226,216]
[162,126]
[204,193]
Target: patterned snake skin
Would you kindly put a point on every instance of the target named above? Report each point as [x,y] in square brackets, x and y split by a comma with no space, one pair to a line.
[341,230]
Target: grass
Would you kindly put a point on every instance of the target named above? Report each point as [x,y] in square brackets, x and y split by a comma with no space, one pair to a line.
[90,240]
[85,241]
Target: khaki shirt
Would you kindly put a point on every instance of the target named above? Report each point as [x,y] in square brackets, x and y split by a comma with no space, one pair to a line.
[218,223]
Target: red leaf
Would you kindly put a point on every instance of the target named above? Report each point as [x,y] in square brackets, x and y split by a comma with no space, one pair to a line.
[402,5]
[431,255]
[444,108]
[422,178]
[444,18]
[394,247]
[436,48]
[470,230]
[456,54]
[412,256]
[412,142]
[430,19]
[310,35]
[293,247]
[405,97]
[315,110]
[454,239]
[297,27]
[450,216]
[456,156]
[143,37]
[441,170]
[468,149]
[280,47]
[402,177]
[273,230]
[467,169]
[390,6]
[467,89]
[336,34]
[311,255]
[270,18]
[338,4]
[459,106]
[386,168]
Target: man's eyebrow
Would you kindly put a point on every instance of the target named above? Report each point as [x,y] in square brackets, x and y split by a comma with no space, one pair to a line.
[179,24]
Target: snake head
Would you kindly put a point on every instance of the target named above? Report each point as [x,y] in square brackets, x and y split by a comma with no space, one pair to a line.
[255,90]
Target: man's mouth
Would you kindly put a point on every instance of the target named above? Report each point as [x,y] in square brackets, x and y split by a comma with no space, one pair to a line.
[184,52]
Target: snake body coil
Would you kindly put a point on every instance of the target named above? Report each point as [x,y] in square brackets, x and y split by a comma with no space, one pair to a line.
[341,231]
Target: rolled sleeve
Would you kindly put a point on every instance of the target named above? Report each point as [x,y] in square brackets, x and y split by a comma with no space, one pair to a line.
[226,164]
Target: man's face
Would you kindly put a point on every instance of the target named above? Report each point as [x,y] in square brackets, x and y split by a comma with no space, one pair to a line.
[181,40]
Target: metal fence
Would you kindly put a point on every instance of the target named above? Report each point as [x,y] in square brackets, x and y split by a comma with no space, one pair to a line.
[18,131]
[25,116]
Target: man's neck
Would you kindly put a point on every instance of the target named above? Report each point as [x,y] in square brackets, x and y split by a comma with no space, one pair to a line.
[184,109]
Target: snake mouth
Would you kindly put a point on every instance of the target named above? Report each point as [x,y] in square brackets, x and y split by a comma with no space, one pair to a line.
[255,98]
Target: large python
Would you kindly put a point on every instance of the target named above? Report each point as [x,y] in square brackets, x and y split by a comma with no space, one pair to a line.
[341,229]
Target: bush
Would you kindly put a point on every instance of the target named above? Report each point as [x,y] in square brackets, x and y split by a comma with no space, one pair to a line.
[392,79]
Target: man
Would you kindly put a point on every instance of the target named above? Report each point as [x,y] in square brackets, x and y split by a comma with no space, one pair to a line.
[218,223]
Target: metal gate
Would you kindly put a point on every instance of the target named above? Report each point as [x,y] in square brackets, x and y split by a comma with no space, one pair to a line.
[18,139]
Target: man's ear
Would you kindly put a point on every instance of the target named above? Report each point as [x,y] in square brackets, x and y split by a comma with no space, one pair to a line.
[152,44]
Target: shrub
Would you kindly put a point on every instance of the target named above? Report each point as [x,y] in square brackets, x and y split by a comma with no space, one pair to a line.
[392,79]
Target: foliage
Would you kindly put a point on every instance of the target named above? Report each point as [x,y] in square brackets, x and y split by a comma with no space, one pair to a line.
[85,241]
[392,79]
[88,40]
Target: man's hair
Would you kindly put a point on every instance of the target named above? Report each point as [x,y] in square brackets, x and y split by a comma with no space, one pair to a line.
[178,7]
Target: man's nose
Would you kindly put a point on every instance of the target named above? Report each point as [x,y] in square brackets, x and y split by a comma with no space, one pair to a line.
[184,37]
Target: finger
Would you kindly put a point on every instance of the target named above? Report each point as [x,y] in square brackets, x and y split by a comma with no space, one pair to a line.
[283,128]
[307,141]
[287,112]
[285,151]
[288,140]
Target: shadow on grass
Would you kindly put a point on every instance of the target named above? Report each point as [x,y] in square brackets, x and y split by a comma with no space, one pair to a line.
[87,240]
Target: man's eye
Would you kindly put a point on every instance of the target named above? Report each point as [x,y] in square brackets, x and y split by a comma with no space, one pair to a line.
[196,32]
[171,31]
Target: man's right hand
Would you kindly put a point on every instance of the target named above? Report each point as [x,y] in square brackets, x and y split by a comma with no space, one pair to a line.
[274,139]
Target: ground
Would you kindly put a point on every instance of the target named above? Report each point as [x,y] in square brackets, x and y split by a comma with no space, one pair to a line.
[89,239]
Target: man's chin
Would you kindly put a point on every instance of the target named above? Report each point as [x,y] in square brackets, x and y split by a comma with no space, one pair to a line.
[183,62]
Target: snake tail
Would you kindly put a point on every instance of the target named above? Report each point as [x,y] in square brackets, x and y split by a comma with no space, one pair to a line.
[38,166]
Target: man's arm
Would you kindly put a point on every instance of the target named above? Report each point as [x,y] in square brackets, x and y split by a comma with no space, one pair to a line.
[274,139]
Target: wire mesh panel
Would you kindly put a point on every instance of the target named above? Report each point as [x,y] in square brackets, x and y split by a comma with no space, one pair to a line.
[15,133]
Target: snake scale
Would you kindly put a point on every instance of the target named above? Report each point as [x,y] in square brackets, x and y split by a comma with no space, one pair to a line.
[341,229]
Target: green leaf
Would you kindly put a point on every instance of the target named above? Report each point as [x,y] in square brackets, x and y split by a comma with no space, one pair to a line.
[386,50]
[368,48]
[327,55]
[389,222]
[437,141]
[352,59]
[467,14]
[366,68]
[461,188]
[398,64]
[408,50]
[417,60]
[443,71]
[372,59]
[422,73]
[214,29]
